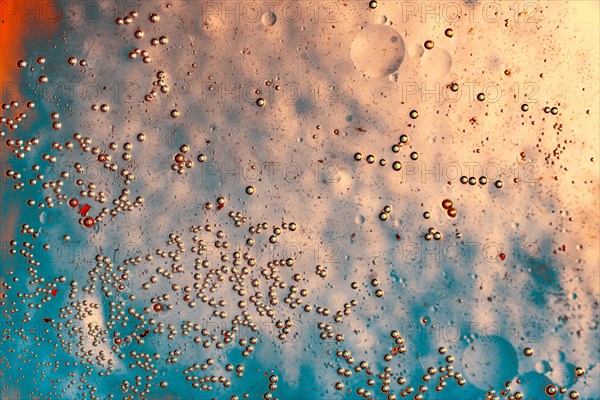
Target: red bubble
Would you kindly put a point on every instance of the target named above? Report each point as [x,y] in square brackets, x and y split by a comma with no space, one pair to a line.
[88,222]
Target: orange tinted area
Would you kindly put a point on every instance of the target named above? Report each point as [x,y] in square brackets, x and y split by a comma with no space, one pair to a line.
[21,21]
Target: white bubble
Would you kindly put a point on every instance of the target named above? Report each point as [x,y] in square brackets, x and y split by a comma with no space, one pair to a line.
[269,18]
[436,63]
[359,219]
[377,50]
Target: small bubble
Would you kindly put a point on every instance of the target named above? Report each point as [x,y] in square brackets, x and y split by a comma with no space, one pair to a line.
[261,102]
[414,114]
[174,113]
[414,156]
[429,44]
[397,165]
[358,156]
[525,107]
[373,4]
[449,32]
[250,190]
[269,18]
[481,97]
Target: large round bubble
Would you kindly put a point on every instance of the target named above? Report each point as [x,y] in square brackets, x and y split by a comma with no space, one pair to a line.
[489,362]
[377,50]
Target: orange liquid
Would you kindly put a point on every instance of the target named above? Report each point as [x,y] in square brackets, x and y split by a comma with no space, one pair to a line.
[21,21]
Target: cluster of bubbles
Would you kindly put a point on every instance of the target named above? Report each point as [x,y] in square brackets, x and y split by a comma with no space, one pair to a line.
[180,162]
[439,375]
[216,265]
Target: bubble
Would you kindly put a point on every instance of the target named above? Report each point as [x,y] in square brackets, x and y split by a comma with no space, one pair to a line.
[397,165]
[414,114]
[449,32]
[414,156]
[550,390]
[428,44]
[525,107]
[358,156]
[174,113]
[261,102]
[268,19]
[88,222]
[373,4]
[377,51]
[489,362]
[250,189]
